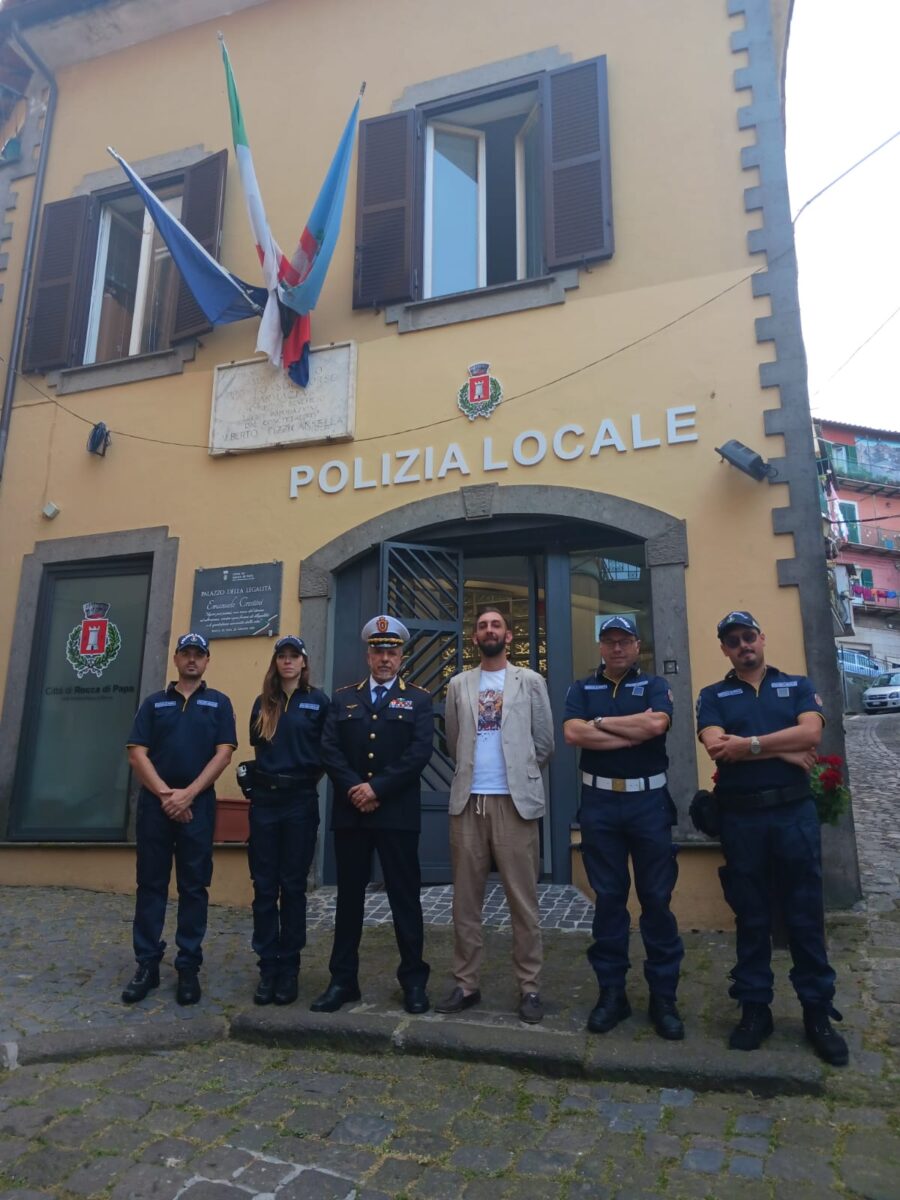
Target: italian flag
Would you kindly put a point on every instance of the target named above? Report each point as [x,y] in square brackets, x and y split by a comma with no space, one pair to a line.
[284,336]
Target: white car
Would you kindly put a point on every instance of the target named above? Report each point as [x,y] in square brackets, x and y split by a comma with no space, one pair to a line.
[884,694]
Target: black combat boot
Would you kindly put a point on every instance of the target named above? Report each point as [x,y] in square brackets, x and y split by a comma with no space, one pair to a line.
[827,1042]
[612,1007]
[146,977]
[753,1028]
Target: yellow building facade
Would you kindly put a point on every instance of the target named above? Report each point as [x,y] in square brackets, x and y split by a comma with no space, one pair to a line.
[565,275]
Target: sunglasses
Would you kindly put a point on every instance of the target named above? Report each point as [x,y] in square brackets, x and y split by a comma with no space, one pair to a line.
[733,640]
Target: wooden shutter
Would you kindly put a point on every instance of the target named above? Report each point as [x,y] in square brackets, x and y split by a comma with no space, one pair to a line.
[577,190]
[201,212]
[56,315]
[384,269]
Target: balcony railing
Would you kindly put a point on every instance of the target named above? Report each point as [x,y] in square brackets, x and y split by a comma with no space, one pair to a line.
[883,475]
[873,536]
[865,597]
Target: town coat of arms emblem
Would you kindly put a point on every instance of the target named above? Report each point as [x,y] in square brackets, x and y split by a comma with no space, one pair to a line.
[93,644]
[481,393]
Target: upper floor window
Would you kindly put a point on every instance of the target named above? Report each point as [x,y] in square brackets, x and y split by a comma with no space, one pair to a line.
[135,281]
[488,187]
[105,286]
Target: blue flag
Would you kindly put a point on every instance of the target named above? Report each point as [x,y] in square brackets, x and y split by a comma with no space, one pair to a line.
[317,242]
[222,296]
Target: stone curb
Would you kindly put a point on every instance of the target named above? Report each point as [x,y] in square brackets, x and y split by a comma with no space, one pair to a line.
[69,1044]
[698,1064]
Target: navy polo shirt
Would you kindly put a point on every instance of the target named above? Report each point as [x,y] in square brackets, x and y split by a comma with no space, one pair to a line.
[635,692]
[181,733]
[740,708]
[296,747]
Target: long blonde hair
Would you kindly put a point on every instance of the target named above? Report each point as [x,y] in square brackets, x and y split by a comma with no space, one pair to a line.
[270,707]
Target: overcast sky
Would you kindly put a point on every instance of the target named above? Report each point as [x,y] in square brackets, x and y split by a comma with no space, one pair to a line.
[843,99]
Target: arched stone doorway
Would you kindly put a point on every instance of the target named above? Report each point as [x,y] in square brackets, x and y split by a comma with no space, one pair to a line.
[340,587]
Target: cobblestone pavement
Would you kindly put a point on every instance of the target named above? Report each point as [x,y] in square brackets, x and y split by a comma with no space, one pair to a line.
[226,1120]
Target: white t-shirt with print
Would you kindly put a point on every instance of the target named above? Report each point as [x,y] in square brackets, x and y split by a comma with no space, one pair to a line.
[489,775]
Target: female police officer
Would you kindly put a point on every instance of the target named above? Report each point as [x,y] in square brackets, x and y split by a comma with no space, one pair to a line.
[285,731]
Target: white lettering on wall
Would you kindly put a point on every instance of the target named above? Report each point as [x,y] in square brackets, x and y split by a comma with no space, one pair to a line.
[325,483]
[528,448]
[637,440]
[489,464]
[677,418]
[607,435]
[358,482]
[540,448]
[454,460]
[300,477]
[560,451]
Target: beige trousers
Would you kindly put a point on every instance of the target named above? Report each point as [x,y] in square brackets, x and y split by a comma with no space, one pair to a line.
[491,826]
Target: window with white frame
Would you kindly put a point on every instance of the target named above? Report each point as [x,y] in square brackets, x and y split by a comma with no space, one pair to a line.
[134,282]
[105,286]
[503,183]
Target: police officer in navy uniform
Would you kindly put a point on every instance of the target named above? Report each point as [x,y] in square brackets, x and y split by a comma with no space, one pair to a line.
[181,741]
[286,732]
[761,727]
[376,742]
[619,717]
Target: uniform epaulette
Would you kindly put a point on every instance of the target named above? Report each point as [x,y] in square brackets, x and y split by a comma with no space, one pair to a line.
[416,687]
[348,687]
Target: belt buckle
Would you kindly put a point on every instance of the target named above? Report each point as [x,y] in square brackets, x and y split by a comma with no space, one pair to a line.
[619,785]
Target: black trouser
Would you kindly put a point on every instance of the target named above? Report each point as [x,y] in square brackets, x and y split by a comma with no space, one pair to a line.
[780,845]
[283,828]
[160,840]
[398,851]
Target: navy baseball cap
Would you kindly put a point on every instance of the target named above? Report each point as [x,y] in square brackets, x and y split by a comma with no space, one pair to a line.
[291,643]
[618,622]
[738,617]
[197,640]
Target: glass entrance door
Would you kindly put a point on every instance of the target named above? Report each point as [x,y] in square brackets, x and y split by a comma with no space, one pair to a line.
[72,772]
[515,584]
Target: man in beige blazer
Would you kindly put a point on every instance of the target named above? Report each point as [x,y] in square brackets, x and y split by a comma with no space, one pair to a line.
[499,729]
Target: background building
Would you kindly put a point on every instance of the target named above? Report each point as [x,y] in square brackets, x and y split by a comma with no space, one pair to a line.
[566,275]
[863,466]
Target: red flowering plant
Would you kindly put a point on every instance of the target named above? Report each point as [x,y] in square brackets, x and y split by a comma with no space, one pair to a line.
[826,780]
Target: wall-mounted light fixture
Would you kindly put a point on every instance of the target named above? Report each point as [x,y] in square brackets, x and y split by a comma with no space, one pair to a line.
[50,510]
[746,460]
[98,440]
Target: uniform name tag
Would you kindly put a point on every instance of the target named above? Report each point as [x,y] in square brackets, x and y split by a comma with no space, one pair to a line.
[165,704]
[784,683]
[596,687]
[405,704]
[209,703]
[733,692]
[308,704]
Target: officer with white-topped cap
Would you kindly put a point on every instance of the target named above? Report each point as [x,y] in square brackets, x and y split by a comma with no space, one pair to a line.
[376,742]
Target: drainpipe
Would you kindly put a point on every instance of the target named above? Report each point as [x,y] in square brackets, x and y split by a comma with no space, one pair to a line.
[30,242]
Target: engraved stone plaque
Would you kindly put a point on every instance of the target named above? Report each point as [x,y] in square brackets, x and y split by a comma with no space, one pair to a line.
[256,406]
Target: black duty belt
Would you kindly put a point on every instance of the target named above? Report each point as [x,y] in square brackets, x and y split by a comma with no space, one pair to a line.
[772,798]
[283,783]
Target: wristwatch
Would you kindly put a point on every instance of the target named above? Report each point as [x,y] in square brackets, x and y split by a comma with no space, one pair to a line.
[598,721]
[755,747]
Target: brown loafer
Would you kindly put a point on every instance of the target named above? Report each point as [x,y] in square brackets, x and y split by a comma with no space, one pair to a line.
[457,1001]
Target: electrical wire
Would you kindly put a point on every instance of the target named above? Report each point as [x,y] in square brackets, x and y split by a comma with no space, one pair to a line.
[850,358]
[47,399]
